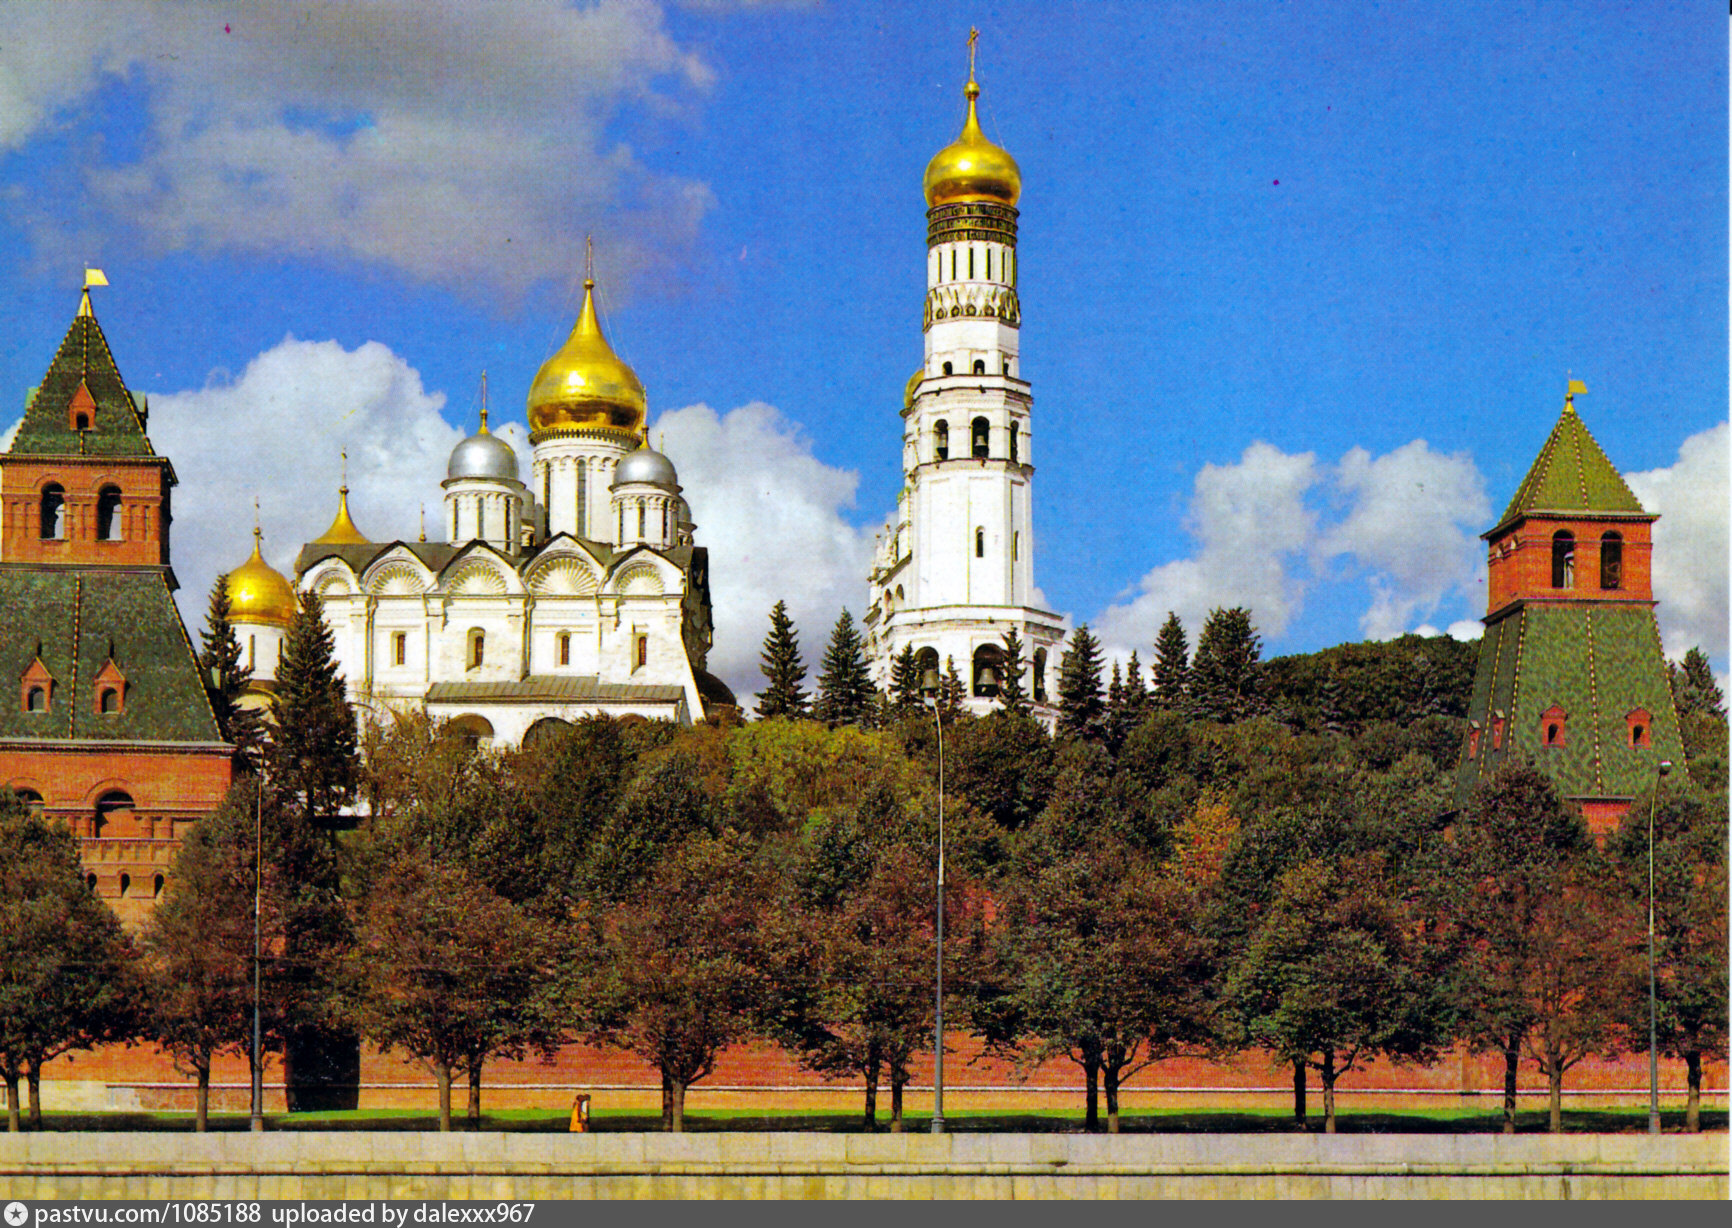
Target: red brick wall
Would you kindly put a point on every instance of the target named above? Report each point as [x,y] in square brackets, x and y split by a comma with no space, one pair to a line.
[143,483]
[1519,562]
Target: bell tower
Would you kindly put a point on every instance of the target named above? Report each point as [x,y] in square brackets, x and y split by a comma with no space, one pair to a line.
[955,566]
[1570,668]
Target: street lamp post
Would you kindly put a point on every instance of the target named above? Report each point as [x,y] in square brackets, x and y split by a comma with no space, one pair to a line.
[258,1104]
[1653,1031]
[929,684]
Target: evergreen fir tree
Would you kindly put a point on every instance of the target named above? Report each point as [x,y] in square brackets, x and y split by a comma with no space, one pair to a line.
[845,690]
[1010,692]
[226,679]
[905,681]
[1226,675]
[314,756]
[1693,686]
[1081,708]
[1172,669]
[1117,718]
[951,692]
[1136,693]
[785,696]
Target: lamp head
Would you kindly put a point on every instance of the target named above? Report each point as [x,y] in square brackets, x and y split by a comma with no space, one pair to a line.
[1665,767]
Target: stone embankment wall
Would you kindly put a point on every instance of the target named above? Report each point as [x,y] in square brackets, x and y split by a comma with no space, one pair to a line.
[540,1166]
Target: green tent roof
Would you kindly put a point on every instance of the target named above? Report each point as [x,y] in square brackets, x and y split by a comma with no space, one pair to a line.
[1571,475]
[83,358]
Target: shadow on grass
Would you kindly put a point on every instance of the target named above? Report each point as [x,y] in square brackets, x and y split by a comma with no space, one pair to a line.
[1175,1121]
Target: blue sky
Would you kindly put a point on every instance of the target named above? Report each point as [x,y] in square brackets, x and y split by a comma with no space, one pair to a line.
[1301,282]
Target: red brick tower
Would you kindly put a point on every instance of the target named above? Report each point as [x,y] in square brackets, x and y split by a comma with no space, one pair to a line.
[1570,669]
[104,720]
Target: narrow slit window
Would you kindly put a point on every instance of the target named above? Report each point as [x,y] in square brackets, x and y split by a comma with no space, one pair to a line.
[400,648]
[979,543]
[565,648]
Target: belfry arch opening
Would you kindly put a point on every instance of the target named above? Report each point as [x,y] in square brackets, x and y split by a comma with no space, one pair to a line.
[941,439]
[980,437]
[53,512]
[988,670]
[1563,559]
[1612,560]
[108,527]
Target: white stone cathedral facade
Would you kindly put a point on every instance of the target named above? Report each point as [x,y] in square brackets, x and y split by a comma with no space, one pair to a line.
[581,592]
[954,567]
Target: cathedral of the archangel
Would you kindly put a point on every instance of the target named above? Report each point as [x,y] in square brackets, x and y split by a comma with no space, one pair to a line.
[954,569]
[576,593]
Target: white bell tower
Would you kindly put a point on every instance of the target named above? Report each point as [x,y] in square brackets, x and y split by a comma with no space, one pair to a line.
[955,567]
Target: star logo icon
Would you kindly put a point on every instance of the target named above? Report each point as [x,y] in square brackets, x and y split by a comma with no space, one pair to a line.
[16,1214]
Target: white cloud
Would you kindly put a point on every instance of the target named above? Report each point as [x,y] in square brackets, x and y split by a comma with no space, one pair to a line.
[772,516]
[1690,542]
[468,144]
[1467,629]
[1248,520]
[1413,525]
[276,434]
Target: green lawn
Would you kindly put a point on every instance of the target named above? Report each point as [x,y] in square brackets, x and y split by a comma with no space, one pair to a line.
[1173,1121]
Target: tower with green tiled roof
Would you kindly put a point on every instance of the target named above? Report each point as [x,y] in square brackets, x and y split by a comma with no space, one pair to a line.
[1570,671]
[104,718]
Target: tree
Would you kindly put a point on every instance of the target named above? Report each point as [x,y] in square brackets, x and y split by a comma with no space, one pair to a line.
[448,971]
[845,690]
[951,691]
[1512,847]
[1689,926]
[226,680]
[675,974]
[1693,686]
[784,696]
[1002,764]
[905,681]
[1172,668]
[1081,707]
[1334,973]
[198,943]
[1011,695]
[68,974]
[1136,692]
[1225,678]
[314,768]
[1099,961]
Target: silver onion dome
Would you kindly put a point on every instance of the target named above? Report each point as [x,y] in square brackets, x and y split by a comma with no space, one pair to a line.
[483,455]
[649,467]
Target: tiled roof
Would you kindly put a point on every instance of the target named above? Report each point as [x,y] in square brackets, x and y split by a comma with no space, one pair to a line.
[1571,475]
[550,688]
[83,359]
[75,620]
[1596,662]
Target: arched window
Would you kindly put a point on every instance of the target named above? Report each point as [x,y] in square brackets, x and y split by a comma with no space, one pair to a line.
[980,437]
[980,366]
[642,652]
[941,439]
[947,369]
[36,700]
[989,264]
[477,647]
[620,536]
[53,512]
[32,801]
[108,702]
[474,731]
[156,887]
[125,883]
[1007,367]
[1641,726]
[925,662]
[564,641]
[108,514]
[1473,742]
[642,514]
[988,669]
[1563,559]
[114,814]
[664,519]
[1039,675]
[1554,730]
[81,421]
[1497,733]
[582,498]
[979,543]
[1612,560]
[90,882]
[1015,435]
[252,645]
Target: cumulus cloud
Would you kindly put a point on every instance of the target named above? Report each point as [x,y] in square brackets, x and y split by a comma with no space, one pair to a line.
[1249,520]
[276,433]
[1413,528]
[774,519]
[1690,542]
[467,144]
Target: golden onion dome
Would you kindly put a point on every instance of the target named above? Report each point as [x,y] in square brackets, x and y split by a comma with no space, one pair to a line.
[258,593]
[342,531]
[585,383]
[972,168]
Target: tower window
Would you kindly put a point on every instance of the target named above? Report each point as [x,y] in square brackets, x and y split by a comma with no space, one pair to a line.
[980,366]
[642,652]
[642,513]
[582,498]
[971,264]
[941,438]
[1472,743]
[477,648]
[108,514]
[36,700]
[988,664]
[1015,546]
[1039,672]
[1497,733]
[952,269]
[980,434]
[1641,726]
[1612,561]
[947,368]
[1008,370]
[125,883]
[53,512]
[980,543]
[1014,435]
[1554,727]
[108,702]
[1563,559]
[252,644]
[157,885]
[81,421]
[400,648]
[564,642]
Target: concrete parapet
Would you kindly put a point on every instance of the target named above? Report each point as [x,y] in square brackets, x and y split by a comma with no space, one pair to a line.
[383,1164]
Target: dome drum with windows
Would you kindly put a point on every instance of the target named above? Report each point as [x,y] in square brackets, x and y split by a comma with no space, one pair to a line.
[585,385]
